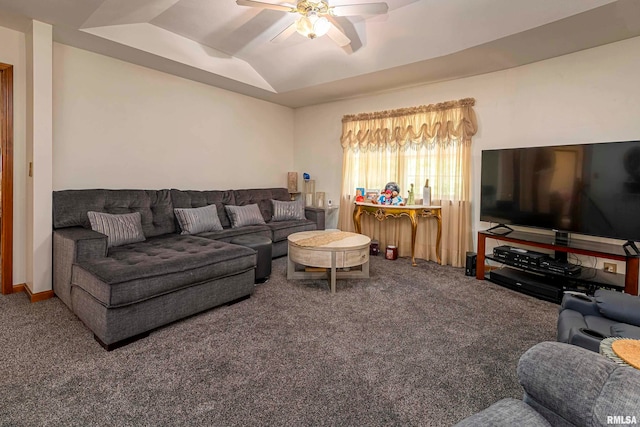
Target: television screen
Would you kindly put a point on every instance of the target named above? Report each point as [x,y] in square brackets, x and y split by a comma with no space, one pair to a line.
[589,189]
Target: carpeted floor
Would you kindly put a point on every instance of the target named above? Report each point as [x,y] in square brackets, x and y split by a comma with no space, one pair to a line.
[411,346]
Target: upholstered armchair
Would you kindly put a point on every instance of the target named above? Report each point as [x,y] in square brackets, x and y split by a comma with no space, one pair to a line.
[584,321]
[565,385]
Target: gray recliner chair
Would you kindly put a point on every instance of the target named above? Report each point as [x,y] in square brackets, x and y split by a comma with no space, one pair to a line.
[584,321]
[565,385]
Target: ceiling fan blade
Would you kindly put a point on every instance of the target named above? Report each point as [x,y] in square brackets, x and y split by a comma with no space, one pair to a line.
[360,9]
[264,5]
[285,34]
[338,36]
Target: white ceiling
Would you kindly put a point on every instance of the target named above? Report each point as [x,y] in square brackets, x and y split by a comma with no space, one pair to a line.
[419,41]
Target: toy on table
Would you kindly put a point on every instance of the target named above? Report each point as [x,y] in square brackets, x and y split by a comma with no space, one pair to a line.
[411,200]
[390,195]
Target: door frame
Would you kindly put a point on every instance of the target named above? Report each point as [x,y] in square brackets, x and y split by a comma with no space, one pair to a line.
[6,149]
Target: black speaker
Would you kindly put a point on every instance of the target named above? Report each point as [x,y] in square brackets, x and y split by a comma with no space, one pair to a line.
[470,268]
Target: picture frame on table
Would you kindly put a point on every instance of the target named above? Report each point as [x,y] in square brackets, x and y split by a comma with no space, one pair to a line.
[371,194]
[359,191]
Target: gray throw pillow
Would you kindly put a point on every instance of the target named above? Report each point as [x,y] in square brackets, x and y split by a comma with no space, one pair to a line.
[198,220]
[286,211]
[120,229]
[241,216]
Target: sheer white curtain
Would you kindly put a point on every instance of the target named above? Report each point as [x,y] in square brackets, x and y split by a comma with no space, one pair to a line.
[409,146]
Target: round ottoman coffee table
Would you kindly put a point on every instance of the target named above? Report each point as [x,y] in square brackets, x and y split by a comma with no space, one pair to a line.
[262,245]
[328,251]
[623,351]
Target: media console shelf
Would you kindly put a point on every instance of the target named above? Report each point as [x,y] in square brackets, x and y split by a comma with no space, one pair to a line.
[573,246]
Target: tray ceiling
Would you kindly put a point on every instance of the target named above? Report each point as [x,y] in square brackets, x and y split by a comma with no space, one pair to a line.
[419,41]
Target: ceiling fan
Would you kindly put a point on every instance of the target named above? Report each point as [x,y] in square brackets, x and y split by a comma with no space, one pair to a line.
[316,17]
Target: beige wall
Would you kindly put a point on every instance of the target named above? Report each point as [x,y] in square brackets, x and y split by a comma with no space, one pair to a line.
[13,51]
[589,96]
[119,125]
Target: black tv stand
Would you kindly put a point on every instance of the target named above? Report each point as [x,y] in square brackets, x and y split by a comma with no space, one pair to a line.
[589,276]
[493,229]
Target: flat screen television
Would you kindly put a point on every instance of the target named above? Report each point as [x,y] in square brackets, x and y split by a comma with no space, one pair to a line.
[591,189]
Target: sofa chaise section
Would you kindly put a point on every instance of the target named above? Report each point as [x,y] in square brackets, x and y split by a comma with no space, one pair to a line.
[143,286]
[124,292]
[74,241]
[157,266]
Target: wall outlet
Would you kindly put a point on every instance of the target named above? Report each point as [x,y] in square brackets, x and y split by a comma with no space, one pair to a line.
[610,267]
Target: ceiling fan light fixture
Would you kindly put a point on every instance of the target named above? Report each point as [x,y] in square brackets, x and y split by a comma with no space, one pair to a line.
[312,25]
[315,17]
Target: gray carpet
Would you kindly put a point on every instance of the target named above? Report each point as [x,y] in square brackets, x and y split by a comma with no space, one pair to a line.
[411,346]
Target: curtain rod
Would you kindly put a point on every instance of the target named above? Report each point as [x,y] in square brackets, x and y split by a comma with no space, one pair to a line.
[466,102]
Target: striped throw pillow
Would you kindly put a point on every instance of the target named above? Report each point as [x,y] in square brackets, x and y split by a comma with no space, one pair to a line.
[120,229]
[286,211]
[198,220]
[241,216]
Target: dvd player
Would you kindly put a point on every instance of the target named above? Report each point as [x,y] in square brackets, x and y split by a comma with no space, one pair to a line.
[560,267]
[517,256]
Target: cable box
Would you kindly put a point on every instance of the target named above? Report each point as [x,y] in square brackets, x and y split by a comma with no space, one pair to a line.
[560,267]
[518,256]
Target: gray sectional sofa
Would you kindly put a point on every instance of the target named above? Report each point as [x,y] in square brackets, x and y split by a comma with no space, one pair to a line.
[122,293]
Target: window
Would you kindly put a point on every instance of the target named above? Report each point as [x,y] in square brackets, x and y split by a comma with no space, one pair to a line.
[409,146]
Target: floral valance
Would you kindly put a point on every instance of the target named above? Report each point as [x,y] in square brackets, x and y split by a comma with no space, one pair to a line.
[446,121]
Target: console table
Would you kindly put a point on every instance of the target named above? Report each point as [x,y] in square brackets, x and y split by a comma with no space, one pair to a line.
[382,212]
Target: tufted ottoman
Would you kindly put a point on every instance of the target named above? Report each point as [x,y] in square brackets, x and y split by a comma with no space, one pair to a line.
[262,245]
[141,286]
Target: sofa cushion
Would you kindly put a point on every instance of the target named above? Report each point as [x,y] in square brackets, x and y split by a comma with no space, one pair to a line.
[70,208]
[139,271]
[262,197]
[287,211]
[624,308]
[282,229]
[198,220]
[119,229]
[241,216]
[198,199]
[599,324]
[227,234]
[625,330]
